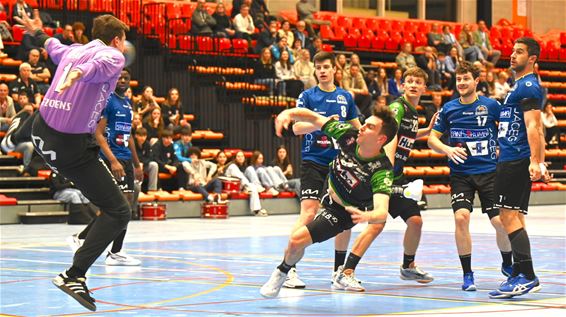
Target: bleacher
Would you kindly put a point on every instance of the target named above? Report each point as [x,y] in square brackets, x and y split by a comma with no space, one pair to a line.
[223,65]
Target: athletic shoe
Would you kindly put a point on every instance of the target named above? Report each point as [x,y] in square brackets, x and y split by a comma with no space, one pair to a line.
[293,280]
[507,270]
[121,259]
[519,285]
[347,281]
[415,274]
[261,213]
[273,191]
[336,273]
[469,284]
[76,288]
[272,287]
[74,242]
[6,144]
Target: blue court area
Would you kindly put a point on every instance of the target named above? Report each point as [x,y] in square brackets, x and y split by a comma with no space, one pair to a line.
[196,267]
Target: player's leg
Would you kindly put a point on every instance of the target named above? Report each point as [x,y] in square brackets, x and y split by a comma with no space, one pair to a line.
[462,193]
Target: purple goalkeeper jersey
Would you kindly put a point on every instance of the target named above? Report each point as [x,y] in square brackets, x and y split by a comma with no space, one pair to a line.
[78,108]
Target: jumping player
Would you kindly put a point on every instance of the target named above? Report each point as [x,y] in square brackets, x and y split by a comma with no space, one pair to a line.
[359,183]
[471,123]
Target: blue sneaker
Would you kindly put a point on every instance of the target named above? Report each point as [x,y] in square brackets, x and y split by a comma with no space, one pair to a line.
[496,294]
[507,270]
[520,285]
[469,284]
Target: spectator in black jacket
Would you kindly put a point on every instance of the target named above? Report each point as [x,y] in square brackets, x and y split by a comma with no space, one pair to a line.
[264,70]
[202,22]
[163,158]
[267,37]
[223,27]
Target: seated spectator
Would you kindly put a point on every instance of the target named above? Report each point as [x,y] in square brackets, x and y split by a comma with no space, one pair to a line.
[447,78]
[202,23]
[285,74]
[550,122]
[224,26]
[163,158]
[137,123]
[316,46]
[304,69]
[67,37]
[221,160]
[263,176]
[305,11]
[380,102]
[236,169]
[355,60]
[341,62]
[472,52]
[143,150]
[129,94]
[7,110]
[267,37]
[200,173]
[264,71]
[452,60]
[371,82]
[481,38]
[450,40]
[79,33]
[339,78]
[282,45]
[490,79]
[260,13]
[431,108]
[302,35]
[81,211]
[396,84]
[482,87]
[154,125]
[21,8]
[181,148]
[383,83]
[296,49]
[244,24]
[427,62]
[24,83]
[282,161]
[405,59]
[172,111]
[436,39]
[285,31]
[355,84]
[147,103]
[39,71]
[501,86]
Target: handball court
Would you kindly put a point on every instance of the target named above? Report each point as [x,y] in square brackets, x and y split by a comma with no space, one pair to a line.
[205,267]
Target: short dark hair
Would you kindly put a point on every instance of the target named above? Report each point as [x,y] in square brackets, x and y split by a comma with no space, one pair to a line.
[194,150]
[467,67]
[533,47]
[166,133]
[141,131]
[322,56]
[127,70]
[389,125]
[106,27]
[416,72]
[186,131]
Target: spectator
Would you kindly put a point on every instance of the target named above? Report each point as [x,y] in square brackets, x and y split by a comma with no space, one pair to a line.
[267,37]
[447,78]
[282,45]
[436,39]
[202,23]
[396,84]
[472,52]
[172,111]
[224,26]
[305,11]
[183,145]
[200,174]
[482,87]
[79,33]
[316,46]
[81,211]
[264,71]
[143,150]
[266,177]
[551,126]
[355,84]
[296,49]
[244,24]
[405,59]
[481,38]
[380,102]
[21,8]
[67,37]
[24,147]
[285,74]
[137,123]
[236,5]
[490,79]
[339,78]
[453,60]
[39,71]
[427,62]
[450,40]
[163,158]
[285,31]
[341,62]
[147,103]
[282,161]
[236,169]
[382,83]
[24,83]
[355,60]
[431,108]
[260,13]
[7,110]
[221,164]
[154,125]
[501,86]
[302,35]
[129,93]
[304,69]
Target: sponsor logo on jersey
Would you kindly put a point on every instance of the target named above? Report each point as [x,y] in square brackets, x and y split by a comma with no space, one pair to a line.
[406,143]
[324,142]
[478,148]
[330,101]
[468,113]
[341,100]
[469,133]
[481,110]
[122,126]
[505,113]
[528,84]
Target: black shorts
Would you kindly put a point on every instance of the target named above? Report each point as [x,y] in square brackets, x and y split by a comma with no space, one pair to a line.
[399,205]
[313,180]
[464,187]
[126,184]
[332,220]
[513,185]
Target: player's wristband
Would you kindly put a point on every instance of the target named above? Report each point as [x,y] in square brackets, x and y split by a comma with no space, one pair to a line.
[542,168]
[41,37]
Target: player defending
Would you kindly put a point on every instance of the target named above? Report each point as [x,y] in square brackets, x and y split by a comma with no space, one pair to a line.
[359,183]
[318,150]
[471,122]
[63,131]
[521,161]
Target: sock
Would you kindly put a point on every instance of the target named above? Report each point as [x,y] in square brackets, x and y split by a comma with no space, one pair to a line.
[516,266]
[75,272]
[284,267]
[118,242]
[466,261]
[352,261]
[507,256]
[522,250]
[407,260]
[84,233]
[339,258]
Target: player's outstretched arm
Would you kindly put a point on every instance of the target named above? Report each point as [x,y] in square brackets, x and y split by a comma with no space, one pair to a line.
[285,118]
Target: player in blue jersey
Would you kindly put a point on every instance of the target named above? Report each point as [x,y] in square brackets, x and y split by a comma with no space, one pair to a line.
[119,155]
[319,149]
[471,124]
[521,161]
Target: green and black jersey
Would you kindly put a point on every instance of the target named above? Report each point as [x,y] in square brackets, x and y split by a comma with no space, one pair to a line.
[408,121]
[355,179]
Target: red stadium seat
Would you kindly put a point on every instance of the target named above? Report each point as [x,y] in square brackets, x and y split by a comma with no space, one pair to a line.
[364,42]
[326,32]
[240,45]
[350,41]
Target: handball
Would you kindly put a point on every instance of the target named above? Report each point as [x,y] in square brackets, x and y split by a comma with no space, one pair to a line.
[129,53]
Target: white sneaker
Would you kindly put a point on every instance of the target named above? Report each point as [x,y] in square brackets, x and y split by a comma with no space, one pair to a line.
[273,191]
[336,273]
[347,282]
[293,280]
[121,259]
[261,213]
[272,287]
[74,242]
[415,274]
